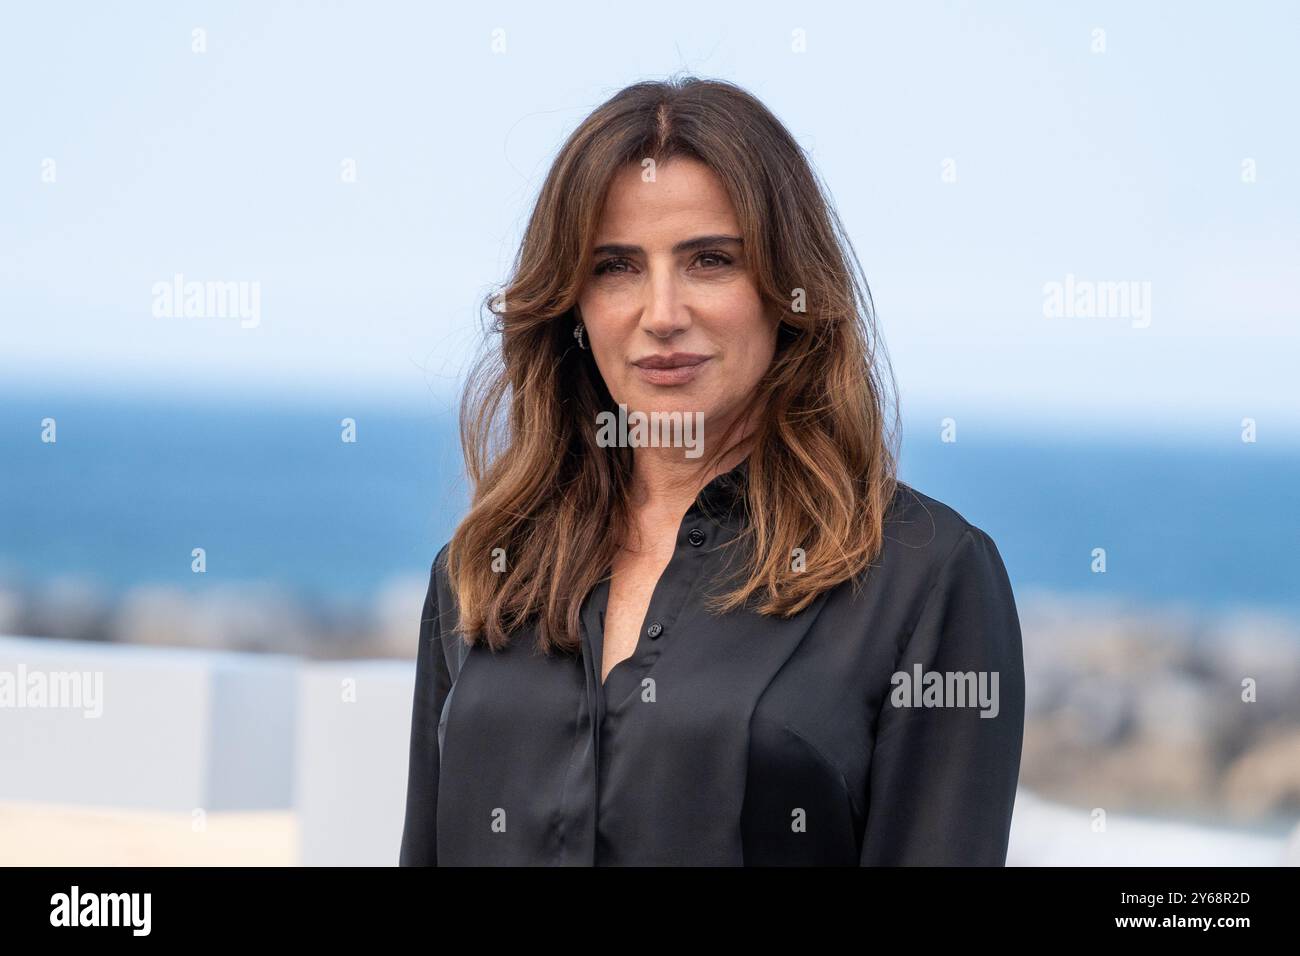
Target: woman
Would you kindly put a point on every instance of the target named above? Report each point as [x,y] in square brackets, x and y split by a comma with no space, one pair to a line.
[749,645]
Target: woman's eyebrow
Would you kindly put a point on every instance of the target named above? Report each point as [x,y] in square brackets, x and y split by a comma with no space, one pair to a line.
[686,245]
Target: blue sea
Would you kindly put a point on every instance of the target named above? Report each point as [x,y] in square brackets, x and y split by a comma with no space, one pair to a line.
[272,494]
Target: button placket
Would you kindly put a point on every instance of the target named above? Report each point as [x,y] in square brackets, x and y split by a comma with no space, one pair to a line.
[659,618]
[676,588]
[673,591]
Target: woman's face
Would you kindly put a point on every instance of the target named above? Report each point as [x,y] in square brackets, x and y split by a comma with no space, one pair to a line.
[673,317]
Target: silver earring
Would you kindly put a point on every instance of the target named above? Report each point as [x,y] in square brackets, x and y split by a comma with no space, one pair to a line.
[577,334]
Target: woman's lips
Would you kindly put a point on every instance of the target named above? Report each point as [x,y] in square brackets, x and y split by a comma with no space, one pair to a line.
[673,375]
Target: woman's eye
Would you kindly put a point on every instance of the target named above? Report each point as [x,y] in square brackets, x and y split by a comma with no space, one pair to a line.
[718,259]
[611,266]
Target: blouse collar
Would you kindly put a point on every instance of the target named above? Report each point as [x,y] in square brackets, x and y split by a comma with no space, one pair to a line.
[723,497]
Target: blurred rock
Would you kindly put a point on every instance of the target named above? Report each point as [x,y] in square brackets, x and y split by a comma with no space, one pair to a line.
[1141,708]
[236,619]
[71,607]
[1095,711]
[1265,780]
[11,610]
[1264,648]
[1174,708]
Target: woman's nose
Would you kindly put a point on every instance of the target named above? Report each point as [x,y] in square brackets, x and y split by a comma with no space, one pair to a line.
[664,312]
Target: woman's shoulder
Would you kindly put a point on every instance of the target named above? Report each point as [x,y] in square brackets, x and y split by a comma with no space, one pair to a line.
[439,567]
[923,535]
[441,594]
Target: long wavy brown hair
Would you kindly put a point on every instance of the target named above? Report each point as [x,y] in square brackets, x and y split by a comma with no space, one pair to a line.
[823,454]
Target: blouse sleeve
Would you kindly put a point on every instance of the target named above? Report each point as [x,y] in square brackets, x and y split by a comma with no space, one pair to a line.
[943,778]
[432,683]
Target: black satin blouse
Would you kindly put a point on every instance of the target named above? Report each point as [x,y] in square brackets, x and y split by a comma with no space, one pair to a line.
[854,733]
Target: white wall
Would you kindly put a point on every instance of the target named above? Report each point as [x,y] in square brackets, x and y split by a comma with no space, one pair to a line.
[177,729]
[354,725]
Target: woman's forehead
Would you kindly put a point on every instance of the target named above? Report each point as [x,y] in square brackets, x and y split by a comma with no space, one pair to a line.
[685,196]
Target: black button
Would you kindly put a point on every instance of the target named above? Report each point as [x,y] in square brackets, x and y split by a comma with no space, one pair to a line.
[696,537]
[654,630]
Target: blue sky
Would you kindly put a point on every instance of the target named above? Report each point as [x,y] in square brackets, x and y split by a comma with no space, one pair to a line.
[1122,165]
